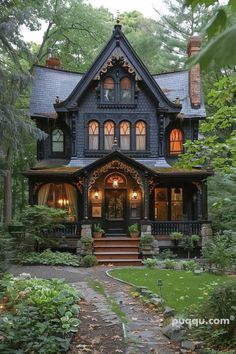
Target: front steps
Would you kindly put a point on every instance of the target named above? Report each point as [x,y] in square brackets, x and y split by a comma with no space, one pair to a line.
[117,251]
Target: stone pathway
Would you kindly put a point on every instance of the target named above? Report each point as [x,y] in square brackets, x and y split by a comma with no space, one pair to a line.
[142,325]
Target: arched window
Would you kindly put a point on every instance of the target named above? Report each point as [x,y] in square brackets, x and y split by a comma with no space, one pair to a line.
[93,135]
[125,135]
[109,90]
[125,90]
[140,131]
[109,134]
[57,140]
[176,142]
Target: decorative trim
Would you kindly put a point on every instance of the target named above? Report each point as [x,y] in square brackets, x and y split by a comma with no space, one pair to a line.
[115,165]
[80,183]
[152,184]
[122,62]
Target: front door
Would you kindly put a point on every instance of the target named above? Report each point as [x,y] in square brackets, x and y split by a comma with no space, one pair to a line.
[115,212]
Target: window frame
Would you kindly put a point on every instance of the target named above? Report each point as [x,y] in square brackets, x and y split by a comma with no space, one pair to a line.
[98,135]
[117,90]
[135,135]
[129,135]
[105,135]
[57,153]
[175,154]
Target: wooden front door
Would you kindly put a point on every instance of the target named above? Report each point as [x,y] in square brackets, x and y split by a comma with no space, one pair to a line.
[115,212]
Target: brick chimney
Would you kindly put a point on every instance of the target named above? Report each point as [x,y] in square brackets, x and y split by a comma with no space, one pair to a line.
[194,73]
[53,62]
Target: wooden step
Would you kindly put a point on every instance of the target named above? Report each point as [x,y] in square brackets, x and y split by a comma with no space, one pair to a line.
[117,255]
[116,241]
[121,262]
[116,248]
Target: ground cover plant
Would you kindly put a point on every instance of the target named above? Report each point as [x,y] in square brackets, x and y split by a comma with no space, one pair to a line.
[48,257]
[180,289]
[36,315]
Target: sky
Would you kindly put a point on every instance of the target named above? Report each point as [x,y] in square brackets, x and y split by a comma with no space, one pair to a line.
[144,6]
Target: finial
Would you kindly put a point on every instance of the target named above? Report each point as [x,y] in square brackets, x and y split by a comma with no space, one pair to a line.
[117,17]
[115,146]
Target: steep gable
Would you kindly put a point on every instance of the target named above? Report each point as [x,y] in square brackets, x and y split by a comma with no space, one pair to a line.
[118,48]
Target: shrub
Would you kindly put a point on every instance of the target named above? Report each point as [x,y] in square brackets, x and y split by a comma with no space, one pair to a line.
[150,262]
[169,263]
[87,240]
[166,254]
[176,236]
[6,250]
[50,258]
[189,265]
[89,261]
[37,315]
[146,239]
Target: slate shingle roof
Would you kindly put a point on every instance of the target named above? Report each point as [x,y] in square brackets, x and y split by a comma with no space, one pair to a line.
[49,83]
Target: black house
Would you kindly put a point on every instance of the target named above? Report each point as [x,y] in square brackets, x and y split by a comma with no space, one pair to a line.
[114,134]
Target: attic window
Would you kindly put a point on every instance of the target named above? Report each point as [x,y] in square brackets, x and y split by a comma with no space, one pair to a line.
[57,140]
[109,90]
[125,90]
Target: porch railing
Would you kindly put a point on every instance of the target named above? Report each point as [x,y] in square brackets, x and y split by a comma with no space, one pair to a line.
[186,227]
[69,229]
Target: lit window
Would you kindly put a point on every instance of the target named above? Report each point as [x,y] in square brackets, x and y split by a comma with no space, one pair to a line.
[176,142]
[57,140]
[176,204]
[93,135]
[109,130]
[125,90]
[125,135]
[109,90]
[140,135]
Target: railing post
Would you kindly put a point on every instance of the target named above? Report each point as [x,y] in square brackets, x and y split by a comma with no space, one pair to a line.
[146,196]
[85,197]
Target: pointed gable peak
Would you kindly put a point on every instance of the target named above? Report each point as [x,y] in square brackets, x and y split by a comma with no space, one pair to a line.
[117,26]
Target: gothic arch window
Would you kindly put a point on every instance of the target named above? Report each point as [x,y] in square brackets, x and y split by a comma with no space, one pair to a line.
[140,135]
[109,90]
[176,142]
[125,90]
[109,134]
[57,137]
[125,135]
[93,132]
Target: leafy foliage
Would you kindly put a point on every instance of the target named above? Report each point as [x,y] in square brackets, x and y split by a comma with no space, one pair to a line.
[218,146]
[221,252]
[6,250]
[38,220]
[50,258]
[221,36]
[37,315]
[89,260]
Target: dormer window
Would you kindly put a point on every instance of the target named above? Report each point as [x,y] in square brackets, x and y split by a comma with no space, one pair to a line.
[57,137]
[176,142]
[109,90]
[125,90]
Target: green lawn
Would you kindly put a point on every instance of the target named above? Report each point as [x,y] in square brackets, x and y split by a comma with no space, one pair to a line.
[180,288]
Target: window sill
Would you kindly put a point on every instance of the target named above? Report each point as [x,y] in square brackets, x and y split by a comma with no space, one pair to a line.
[117,105]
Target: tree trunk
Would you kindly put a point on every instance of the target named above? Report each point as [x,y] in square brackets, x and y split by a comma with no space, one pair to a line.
[7,185]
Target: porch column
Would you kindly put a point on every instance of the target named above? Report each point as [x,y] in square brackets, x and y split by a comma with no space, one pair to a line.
[199,201]
[146,197]
[85,197]
[204,201]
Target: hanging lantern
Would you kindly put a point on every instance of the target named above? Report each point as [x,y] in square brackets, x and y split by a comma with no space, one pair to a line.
[115,183]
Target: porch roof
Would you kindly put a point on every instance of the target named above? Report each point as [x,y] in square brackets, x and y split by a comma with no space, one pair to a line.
[171,171]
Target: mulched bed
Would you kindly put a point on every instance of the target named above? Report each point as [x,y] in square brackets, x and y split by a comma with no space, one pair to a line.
[96,336]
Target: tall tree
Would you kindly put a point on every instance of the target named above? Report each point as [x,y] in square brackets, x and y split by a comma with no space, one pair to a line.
[177,26]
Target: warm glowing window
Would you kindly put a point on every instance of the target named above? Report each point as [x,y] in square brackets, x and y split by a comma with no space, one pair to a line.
[125,135]
[57,140]
[109,134]
[109,90]
[125,90]
[176,204]
[140,131]
[168,204]
[176,142]
[93,135]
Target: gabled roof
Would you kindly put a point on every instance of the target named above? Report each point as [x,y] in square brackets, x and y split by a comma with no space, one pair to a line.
[176,84]
[118,43]
[49,83]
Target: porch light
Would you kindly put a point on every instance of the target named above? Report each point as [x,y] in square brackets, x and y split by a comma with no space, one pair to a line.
[63,202]
[115,183]
[96,195]
[134,195]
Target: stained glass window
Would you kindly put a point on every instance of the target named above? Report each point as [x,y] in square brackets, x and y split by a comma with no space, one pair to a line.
[109,131]
[93,135]
[125,135]
[140,131]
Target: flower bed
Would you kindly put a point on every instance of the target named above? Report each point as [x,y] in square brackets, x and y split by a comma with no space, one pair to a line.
[36,315]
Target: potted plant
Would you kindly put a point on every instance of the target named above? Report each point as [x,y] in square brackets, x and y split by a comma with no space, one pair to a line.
[146,242]
[133,230]
[97,231]
[87,245]
[195,239]
[176,237]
